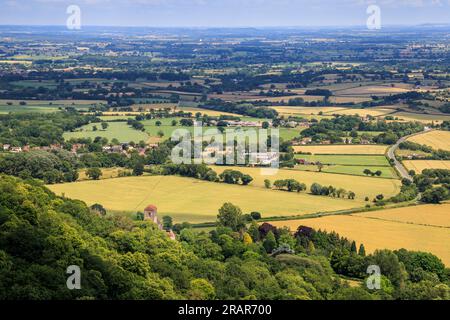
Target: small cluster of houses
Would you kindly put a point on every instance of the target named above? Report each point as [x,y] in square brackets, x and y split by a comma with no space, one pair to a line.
[305,162]
[234,123]
[264,158]
[12,149]
[127,149]
[415,156]
[257,158]
[308,140]
[124,148]
[295,124]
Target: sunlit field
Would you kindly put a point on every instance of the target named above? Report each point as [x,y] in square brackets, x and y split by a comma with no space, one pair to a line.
[423,228]
[196,201]
[435,139]
[419,165]
[342,149]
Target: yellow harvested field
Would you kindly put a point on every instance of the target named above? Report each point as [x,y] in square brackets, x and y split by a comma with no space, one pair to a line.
[419,165]
[435,139]
[362,186]
[383,234]
[365,112]
[428,215]
[155,106]
[211,113]
[287,98]
[349,99]
[53,102]
[193,200]
[373,90]
[293,111]
[342,149]
[107,173]
[424,118]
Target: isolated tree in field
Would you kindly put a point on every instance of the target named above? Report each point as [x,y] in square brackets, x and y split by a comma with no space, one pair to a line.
[316,189]
[351,195]
[104,125]
[299,187]
[378,173]
[230,216]
[341,192]
[94,128]
[94,173]
[279,184]
[246,179]
[319,166]
[255,215]
[267,183]
[367,172]
[160,133]
[174,123]
[138,169]
[158,123]
[380,197]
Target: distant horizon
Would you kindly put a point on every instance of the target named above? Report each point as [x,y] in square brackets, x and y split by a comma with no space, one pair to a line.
[224,13]
[431,24]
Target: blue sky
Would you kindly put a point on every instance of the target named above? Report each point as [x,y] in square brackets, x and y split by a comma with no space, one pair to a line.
[224,13]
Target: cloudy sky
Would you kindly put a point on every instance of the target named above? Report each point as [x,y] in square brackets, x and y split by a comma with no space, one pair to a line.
[223,13]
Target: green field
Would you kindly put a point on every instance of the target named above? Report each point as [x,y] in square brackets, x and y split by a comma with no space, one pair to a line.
[361,185]
[166,127]
[50,84]
[347,160]
[348,164]
[193,200]
[119,130]
[386,172]
[43,105]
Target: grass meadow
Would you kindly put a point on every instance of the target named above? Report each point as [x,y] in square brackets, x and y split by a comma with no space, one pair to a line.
[193,200]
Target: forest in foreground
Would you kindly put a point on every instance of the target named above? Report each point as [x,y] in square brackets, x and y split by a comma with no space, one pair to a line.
[42,234]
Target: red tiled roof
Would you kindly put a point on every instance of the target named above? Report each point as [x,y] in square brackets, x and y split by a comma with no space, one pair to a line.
[151,207]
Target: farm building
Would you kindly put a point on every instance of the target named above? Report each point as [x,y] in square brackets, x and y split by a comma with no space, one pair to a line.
[151,214]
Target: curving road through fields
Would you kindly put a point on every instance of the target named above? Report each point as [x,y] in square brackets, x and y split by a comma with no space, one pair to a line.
[397,164]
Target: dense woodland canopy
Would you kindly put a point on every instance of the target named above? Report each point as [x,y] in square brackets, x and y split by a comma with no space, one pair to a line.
[36,129]
[42,234]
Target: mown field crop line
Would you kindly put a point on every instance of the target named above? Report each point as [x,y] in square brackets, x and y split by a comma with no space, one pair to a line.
[411,203]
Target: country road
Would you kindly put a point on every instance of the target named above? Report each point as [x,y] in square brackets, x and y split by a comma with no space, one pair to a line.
[398,165]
